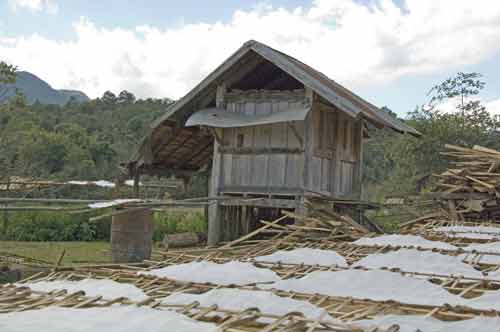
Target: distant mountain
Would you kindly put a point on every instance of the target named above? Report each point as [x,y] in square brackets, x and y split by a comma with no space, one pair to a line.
[35,89]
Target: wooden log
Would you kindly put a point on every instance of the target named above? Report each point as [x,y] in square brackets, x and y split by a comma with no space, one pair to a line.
[180,240]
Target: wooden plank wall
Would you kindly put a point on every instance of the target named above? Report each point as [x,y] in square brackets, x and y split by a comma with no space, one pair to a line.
[336,150]
[264,170]
[328,137]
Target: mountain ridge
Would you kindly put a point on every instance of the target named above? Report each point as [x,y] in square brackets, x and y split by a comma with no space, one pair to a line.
[35,89]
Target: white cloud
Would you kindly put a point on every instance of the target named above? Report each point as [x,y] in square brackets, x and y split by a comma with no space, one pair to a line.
[351,43]
[48,6]
[493,106]
[449,106]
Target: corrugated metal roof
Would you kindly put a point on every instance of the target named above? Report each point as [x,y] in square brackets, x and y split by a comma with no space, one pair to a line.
[221,118]
[335,93]
[329,89]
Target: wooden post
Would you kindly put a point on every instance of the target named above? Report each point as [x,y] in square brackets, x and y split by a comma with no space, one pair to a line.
[308,148]
[137,180]
[301,210]
[360,161]
[5,221]
[132,235]
[214,209]
[5,212]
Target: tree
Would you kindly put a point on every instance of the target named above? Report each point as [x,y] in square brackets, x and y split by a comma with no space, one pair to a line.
[462,86]
[398,162]
[74,141]
[108,98]
[17,102]
[126,97]
[7,73]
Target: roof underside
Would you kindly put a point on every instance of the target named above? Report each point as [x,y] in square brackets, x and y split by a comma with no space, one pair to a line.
[170,145]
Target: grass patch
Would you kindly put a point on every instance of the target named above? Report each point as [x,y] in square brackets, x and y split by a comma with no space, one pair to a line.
[43,236]
[76,252]
[80,252]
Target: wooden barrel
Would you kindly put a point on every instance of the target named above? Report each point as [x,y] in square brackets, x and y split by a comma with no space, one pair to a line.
[132,236]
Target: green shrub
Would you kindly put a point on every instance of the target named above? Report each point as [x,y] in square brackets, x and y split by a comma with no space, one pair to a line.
[57,226]
[177,223]
[49,226]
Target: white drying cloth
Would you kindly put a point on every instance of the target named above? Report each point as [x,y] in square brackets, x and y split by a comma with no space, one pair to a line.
[473,236]
[412,323]
[467,229]
[109,289]
[492,247]
[494,274]
[99,183]
[403,241]
[111,319]
[102,205]
[488,301]
[380,285]
[470,232]
[237,299]
[131,183]
[104,184]
[376,285]
[80,183]
[305,256]
[231,273]
[412,260]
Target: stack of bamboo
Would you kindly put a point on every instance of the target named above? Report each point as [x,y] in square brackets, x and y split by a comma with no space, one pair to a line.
[471,189]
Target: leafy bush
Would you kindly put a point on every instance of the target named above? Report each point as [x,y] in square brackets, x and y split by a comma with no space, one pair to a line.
[177,223]
[49,226]
[57,226]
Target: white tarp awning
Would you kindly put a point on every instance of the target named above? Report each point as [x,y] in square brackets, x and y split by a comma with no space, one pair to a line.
[221,118]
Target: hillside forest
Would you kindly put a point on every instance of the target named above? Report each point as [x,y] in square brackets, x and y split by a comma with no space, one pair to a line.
[88,140]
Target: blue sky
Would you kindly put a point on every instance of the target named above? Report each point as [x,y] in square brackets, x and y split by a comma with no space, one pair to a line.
[125,14]
[389,52]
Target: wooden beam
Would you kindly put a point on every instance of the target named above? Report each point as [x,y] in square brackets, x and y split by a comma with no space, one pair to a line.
[167,170]
[262,202]
[137,179]
[258,151]
[262,190]
[183,142]
[193,156]
[291,125]
[246,65]
[252,234]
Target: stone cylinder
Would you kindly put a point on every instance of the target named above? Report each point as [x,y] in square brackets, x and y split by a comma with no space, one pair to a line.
[132,236]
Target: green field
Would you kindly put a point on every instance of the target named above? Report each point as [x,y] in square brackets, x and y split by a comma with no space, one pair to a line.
[76,252]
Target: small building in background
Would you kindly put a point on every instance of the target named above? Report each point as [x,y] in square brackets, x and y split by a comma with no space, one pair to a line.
[272,130]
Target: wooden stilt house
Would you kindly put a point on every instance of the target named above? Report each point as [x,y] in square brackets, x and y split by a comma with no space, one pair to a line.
[272,129]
